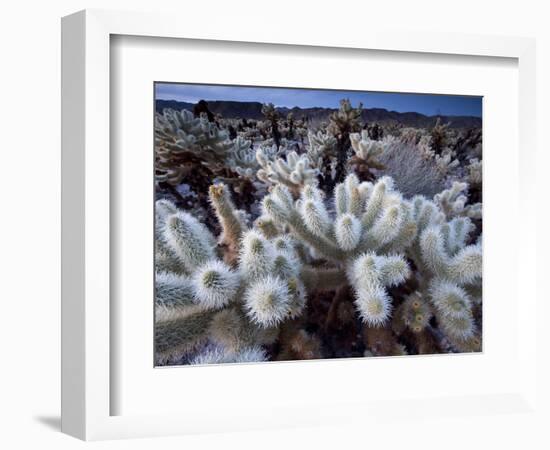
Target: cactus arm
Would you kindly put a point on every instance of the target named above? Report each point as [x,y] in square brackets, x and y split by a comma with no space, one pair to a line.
[321,244]
[180,334]
[227,215]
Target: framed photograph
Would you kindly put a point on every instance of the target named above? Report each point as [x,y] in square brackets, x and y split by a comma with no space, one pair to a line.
[342,232]
[261,232]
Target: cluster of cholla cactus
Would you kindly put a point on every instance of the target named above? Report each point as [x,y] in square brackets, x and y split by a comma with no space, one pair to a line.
[181,139]
[273,117]
[439,136]
[293,170]
[361,242]
[277,240]
[367,154]
[233,295]
[449,274]
[453,202]
[321,150]
[232,299]
[191,151]
[342,123]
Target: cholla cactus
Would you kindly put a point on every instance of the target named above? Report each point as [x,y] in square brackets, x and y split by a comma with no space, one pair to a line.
[260,287]
[215,284]
[424,147]
[412,135]
[372,224]
[273,117]
[445,254]
[267,300]
[368,240]
[322,153]
[439,136]
[324,249]
[415,313]
[367,149]
[242,158]
[343,122]
[392,128]
[165,258]
[370,274]
[475,171]
[450,271]
[346,120]
[181,138]
[291,128]
[189,240]
[321,149]
[375,131]
[269,111]
[373,229]
[290,125]
[231,220]
[359,207]
[294,171]
[445,162]
[367,153]
[181,323]
[454,310]
[453,201]
[218,355]
[196,150]
[474,178]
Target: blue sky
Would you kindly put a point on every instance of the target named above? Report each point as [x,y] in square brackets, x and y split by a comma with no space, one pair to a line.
[428,104]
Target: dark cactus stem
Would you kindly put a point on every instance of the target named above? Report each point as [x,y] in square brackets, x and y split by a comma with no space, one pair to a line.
[375,131]
[437,145]
[276,132]
[325,180]
[439,136]
[343,144]
[202,107]
[342,294]
[291,128]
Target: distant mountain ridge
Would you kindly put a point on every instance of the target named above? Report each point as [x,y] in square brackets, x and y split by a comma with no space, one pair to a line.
[253,110]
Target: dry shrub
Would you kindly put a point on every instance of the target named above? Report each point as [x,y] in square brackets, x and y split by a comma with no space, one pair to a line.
[411,170]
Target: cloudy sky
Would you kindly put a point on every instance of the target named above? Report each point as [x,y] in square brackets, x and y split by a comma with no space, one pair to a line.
[428,104]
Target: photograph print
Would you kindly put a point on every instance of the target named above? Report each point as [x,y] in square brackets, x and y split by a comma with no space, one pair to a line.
[307,224]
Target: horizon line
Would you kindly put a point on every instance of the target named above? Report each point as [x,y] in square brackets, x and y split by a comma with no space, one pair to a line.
[427,104]
[320,107]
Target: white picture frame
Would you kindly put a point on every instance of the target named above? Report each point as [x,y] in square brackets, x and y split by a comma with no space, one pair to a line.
[87,315]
